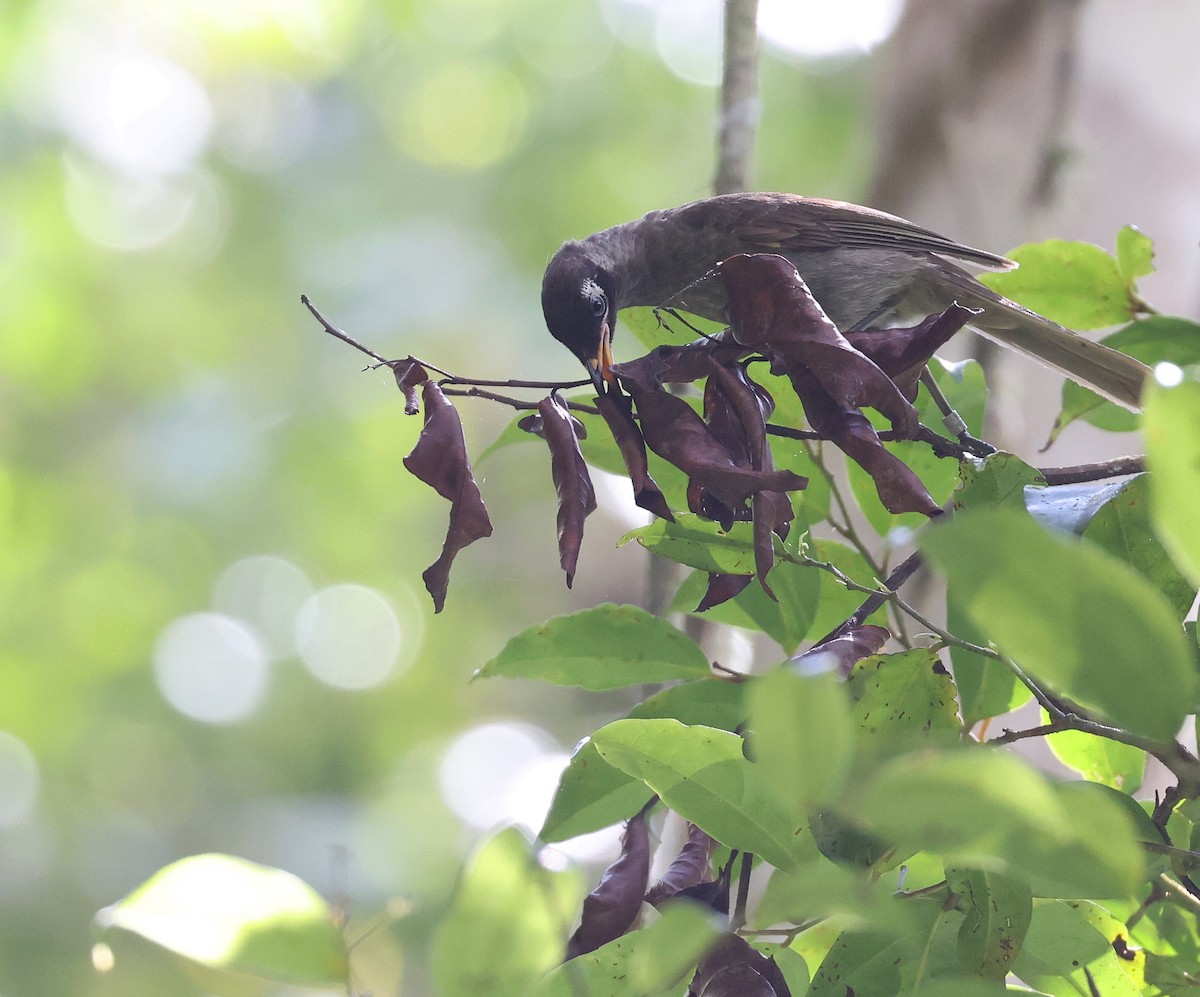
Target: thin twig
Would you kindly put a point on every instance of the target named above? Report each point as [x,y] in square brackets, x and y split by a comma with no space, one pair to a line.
[1009,736]
[1093,472]
[336,332]
[451,387]
[737,919]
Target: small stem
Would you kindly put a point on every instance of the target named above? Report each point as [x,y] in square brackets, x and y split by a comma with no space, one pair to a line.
[484,382]
[450,388]
[787,432]
[336,332]
[737,920]
[1009,736]
[1092,472]
[1182,895]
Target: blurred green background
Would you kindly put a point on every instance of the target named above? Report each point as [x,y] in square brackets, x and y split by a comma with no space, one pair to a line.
[213,635]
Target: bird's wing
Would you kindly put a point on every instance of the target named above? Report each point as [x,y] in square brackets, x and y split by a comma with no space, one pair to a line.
[786,223]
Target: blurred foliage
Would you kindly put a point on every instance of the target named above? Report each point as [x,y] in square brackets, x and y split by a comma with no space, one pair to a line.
[172,176]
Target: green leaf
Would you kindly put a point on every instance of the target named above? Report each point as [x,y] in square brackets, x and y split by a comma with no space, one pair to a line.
[1061,944]
[711,702]
[229,914]
[837,602]
[639,962]
[873,964]
[986,687]
[1172,429]
[698,543]
[1075,618]
[1153,340]
[702,774]
[802,737]
[817,889]
[786,621]
[901,699]
[1075,284]
[508,925]
[1123,526]
[672,330]
[602,648]
[1135,254]
[998,480]
[979,806]
[998,911]
[1099,759]
[592,794]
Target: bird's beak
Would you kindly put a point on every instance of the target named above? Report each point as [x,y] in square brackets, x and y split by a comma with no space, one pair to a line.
[599,367]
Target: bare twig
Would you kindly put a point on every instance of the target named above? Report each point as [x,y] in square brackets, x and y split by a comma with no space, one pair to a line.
[737,920]
[1093,472]
[467,389]
[739,97]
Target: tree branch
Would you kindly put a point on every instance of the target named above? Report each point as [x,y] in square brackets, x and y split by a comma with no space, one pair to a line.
[739,97]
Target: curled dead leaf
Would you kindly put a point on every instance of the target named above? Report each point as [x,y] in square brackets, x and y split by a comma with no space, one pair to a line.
[440,460]
[576,496]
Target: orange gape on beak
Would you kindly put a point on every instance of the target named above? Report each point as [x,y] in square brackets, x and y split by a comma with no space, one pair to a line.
[601,364]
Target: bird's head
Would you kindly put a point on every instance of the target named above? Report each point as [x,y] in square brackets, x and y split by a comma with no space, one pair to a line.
[579,302]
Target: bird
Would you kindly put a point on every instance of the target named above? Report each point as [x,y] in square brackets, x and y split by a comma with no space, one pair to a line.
[866,269]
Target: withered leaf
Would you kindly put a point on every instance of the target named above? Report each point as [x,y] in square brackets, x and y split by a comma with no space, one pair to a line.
[440,460]
[736,410]
[409,374]
[902,353]
[734,968]
[688,870]
[899,487]
[681,364]
[674,431]
[617,410]
[842,649]
[576,497]
[773,312]
[532,424]
[722,588]
[611,908]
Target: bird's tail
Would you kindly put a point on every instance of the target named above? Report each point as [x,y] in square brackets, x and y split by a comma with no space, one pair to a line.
[1115,375]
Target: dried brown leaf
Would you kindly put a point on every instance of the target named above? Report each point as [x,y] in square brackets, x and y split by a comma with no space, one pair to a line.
[689,869]
[674,431]
[617,410]
[611,908]
[722,588]
[440,460]
[842,650]
[734,968]
[773,312]
[409,374]
[576,496]
[902,353]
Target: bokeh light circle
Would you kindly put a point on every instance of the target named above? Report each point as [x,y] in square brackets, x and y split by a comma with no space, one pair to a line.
[211,667]
[495,773]
[19,780]
[348,636]
[267,592]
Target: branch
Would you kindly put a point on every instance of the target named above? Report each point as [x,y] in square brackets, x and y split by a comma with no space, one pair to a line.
[739,97]
[1092,472]
[450,378]
[450,388]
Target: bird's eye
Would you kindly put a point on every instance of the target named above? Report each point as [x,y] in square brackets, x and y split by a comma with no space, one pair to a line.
[599,306]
